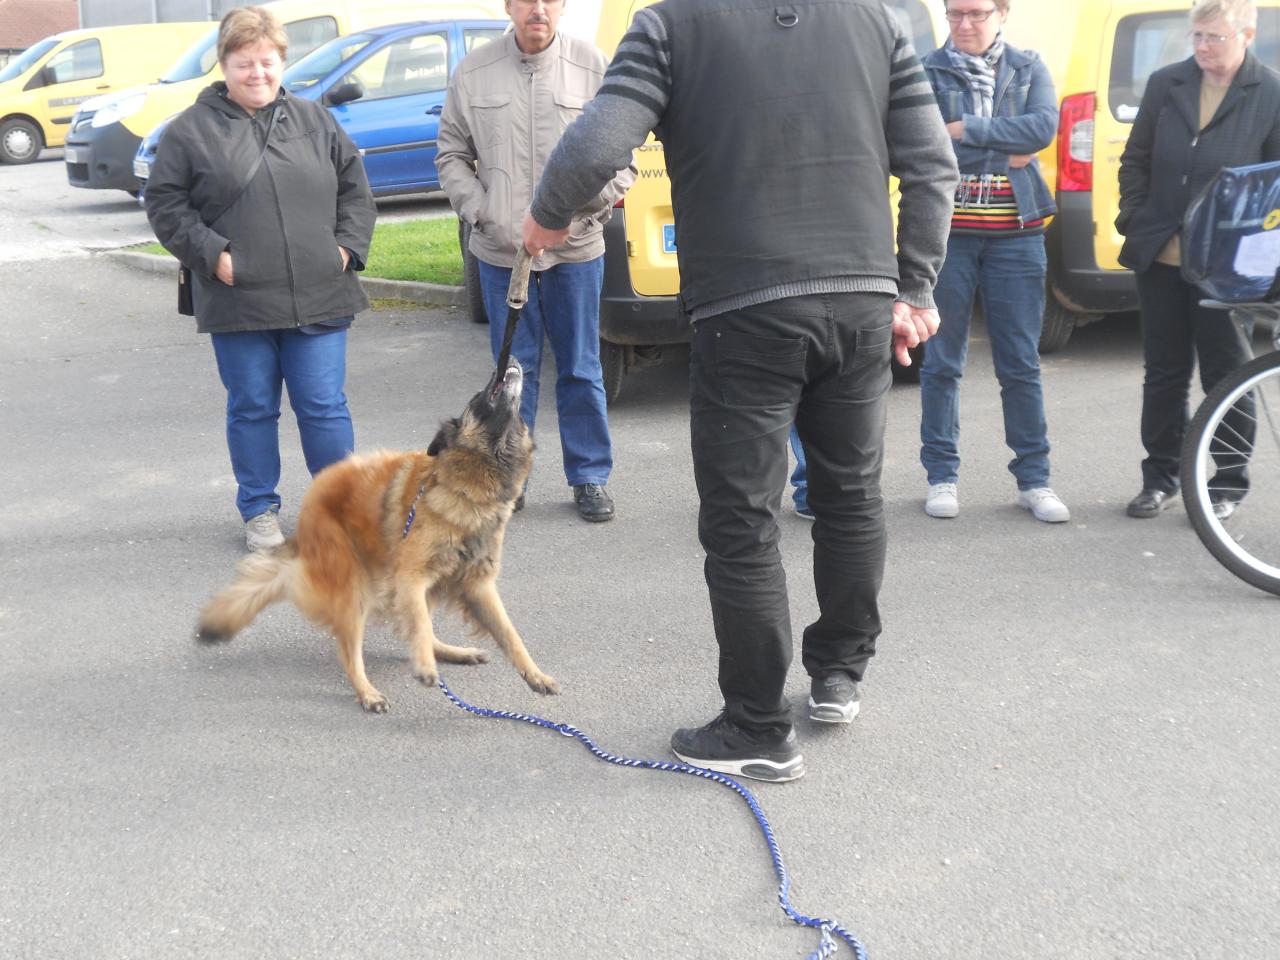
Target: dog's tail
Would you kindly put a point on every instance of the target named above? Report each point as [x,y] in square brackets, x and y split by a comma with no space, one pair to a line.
[261,579]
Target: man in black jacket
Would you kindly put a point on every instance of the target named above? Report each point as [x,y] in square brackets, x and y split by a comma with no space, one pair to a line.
[781,127]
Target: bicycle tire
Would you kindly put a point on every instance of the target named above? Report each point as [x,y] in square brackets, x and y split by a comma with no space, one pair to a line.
[1263,372]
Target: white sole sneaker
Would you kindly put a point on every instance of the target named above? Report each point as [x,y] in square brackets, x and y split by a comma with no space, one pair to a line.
[754,769]
[833,712]
[1044,505]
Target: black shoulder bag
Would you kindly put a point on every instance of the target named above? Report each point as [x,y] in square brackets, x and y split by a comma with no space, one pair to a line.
[186,305]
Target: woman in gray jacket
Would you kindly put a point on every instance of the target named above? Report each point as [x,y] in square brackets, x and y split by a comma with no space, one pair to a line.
[265,200]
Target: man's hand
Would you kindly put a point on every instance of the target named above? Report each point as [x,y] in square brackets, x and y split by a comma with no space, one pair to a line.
[956,129]
[912,326]
[538,239]
[345,254]
[224,271]
[1019,160]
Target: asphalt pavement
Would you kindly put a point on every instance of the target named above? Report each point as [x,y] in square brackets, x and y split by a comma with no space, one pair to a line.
[1067,748]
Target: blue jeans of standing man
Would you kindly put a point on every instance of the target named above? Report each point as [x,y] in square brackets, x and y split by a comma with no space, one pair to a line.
[563,307]
[1009,273]
[253,366]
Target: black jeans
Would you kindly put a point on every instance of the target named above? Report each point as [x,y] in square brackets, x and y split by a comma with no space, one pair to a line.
[1176,331]
[822,362]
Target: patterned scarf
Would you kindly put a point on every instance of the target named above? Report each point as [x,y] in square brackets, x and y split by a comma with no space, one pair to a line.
[981,72]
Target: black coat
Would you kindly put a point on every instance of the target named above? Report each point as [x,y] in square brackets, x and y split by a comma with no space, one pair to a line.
[309,195]
[1169,159]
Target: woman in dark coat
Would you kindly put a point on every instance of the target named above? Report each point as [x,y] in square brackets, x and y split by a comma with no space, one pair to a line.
[272,245]
[1219,108]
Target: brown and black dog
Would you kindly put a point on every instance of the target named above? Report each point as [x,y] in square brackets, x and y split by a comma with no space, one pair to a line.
[401,533]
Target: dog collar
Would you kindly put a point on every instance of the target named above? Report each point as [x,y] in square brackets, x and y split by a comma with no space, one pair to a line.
[413,510]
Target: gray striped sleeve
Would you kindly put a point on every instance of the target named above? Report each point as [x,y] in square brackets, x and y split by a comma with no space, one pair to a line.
[921,157]
[629,104]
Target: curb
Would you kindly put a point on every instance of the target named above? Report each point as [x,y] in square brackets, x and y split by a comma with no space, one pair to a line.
[433,294]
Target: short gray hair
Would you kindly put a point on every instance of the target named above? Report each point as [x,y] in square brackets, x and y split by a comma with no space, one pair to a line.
[1239,13]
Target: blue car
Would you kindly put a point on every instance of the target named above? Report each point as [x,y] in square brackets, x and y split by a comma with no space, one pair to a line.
[386,88]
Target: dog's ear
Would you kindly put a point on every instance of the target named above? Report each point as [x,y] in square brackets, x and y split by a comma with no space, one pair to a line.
[444,438]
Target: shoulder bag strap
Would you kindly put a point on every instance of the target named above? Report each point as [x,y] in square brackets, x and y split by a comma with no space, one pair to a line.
[253,170]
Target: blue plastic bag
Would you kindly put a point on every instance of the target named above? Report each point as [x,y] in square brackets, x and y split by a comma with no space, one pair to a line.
[1231,235]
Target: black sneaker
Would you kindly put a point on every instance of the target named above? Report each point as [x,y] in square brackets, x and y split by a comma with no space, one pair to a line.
[833,698]
[723,746]
[594,503]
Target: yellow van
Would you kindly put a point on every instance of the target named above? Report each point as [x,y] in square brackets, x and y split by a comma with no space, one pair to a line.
[41,87]
[106,132]
[1100,54]
[638,311]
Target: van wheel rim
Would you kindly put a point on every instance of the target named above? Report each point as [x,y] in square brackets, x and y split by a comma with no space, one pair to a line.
[18,143]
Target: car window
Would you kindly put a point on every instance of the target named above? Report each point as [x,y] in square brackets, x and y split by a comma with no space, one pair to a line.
[1147,42]
[23,61]
[478,38]
[197,61]
[411,65]
[914,18]
[306,35]
[80,61]
[324,60]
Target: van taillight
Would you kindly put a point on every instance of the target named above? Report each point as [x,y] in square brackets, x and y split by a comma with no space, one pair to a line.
[1075,143]
[618,205]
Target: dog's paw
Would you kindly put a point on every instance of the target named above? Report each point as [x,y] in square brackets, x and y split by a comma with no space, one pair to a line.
[540,682]
[374,702]
[473,655]
[210,635]
[428,678]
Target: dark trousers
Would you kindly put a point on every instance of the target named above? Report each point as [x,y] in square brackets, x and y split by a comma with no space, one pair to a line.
[1176,332]
[822,362]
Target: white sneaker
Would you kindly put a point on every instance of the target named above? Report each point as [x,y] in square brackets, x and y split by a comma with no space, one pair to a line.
[1044,505]
[263,532]
[941,501]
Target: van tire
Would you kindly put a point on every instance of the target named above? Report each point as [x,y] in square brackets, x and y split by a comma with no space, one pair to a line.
[613,364]
[1059,324]
[471,276]
[20,141]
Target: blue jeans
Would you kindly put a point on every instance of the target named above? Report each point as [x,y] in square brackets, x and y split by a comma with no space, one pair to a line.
[253,366]
[563,307]
[1009,274]
[799,477]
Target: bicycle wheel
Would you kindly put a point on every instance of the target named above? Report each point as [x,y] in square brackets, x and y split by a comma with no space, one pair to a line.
[1224,434]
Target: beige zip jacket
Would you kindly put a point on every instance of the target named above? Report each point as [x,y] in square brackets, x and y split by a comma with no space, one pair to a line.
[503,116]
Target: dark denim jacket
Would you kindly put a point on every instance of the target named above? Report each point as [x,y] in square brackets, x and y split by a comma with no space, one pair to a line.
[1025,121]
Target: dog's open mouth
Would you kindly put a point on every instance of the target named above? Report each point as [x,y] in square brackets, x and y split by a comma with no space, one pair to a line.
[511,380]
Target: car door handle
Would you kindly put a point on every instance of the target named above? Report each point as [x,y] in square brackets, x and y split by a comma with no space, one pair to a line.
[435,111]
[103,86]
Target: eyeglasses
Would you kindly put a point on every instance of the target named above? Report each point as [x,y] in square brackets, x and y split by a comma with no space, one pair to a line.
[981,16]
[1210,40]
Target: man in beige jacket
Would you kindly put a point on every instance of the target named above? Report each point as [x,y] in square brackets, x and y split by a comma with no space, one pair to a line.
[507,105]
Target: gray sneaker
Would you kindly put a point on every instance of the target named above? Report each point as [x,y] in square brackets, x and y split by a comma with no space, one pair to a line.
[833,698]
[263,532]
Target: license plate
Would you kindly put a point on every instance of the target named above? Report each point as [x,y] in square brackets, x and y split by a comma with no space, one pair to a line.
[141,169]
[668,238]
[72,155]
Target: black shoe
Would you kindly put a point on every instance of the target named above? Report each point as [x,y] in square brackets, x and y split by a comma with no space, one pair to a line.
[594,503]
[1149,503]
[833,698]
[723,746]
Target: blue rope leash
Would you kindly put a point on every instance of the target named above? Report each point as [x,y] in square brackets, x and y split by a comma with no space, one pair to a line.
[828,929]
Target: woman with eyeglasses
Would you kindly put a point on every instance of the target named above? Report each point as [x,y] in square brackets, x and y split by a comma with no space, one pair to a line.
[1218,108]
[1000,109]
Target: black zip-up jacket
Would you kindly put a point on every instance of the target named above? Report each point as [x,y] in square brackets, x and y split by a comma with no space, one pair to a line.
[309,195]
[1169,159]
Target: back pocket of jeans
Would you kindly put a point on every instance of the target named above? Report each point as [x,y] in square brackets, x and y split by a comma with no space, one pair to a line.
[758,371]
[868,372]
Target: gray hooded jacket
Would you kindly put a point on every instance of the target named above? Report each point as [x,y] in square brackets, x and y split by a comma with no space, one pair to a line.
[308,196]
